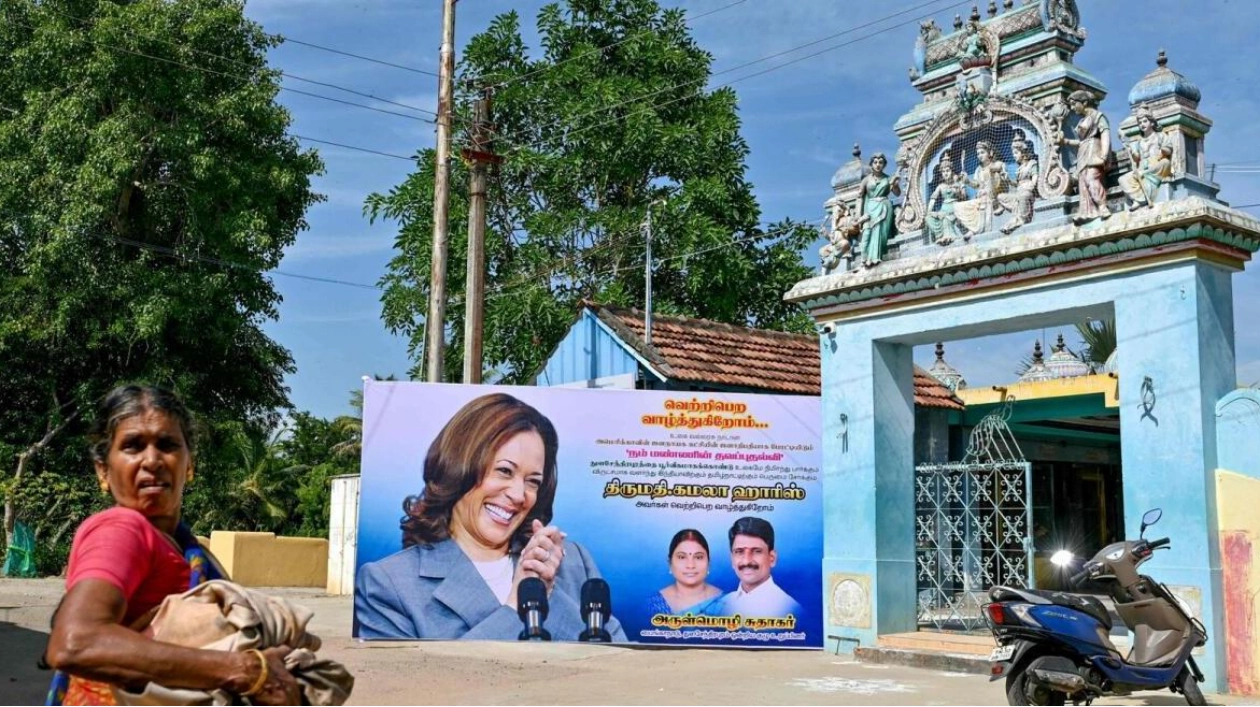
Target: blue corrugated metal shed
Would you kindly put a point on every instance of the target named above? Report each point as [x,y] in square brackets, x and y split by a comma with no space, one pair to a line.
[592,356]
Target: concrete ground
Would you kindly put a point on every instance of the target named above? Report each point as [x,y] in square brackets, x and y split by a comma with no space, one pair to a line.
[546,674]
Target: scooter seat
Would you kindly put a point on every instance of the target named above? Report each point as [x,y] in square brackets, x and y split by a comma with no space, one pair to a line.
[1080,602]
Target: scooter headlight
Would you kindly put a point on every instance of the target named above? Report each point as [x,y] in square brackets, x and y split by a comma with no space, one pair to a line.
[1062,558]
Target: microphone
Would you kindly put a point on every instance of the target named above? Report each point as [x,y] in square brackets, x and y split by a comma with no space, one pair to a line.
[531,606]
[596,608]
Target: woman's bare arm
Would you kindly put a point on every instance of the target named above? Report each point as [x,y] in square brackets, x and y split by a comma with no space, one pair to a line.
[88,640]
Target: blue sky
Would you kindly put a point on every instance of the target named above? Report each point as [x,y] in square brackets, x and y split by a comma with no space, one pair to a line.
[800,122]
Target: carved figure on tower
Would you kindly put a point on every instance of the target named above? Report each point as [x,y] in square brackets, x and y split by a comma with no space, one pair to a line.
[1093,143]
[845,229]
[989,180]
[942,222]
[1020,200]
[875,195]
[1151,157]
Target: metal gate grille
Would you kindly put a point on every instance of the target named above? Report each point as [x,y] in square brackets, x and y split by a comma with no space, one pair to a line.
[973,525]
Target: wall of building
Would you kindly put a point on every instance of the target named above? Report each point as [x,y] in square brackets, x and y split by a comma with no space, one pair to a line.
[589,356]
[343,534]
[1238,498]
[1176,358]
[265,560]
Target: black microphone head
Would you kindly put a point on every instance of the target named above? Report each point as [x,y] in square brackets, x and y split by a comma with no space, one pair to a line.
[531,593]
[596,596]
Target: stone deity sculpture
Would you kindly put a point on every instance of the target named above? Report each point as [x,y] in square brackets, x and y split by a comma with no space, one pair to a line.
[1151,157]
[989,180]
[1020,201]
[1093,143]
[845,228]
[875,195]
[942,223]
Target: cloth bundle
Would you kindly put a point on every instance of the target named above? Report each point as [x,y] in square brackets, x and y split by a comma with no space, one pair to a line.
[222,615]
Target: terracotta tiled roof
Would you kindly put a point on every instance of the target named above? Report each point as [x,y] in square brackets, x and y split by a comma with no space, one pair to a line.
[701,351]
[930,393]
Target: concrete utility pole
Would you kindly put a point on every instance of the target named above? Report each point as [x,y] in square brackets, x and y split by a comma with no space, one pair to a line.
[647,273]
[478,156]
[647,278]
[435,322]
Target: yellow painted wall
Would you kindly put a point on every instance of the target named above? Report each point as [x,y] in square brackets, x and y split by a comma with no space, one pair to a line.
[264,560]
[1103,384]
[1237,501]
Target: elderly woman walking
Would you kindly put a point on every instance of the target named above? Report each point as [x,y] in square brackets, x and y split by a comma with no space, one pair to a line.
[127,559]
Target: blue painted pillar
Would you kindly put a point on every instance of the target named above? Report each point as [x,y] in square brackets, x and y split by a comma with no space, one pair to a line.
[1176,359]
[868,489]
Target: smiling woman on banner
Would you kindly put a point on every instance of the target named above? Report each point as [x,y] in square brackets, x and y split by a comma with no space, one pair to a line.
[479,527]
[691,592]
[125,560]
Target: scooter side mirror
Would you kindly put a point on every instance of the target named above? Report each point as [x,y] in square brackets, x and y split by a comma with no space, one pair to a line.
[1150,518]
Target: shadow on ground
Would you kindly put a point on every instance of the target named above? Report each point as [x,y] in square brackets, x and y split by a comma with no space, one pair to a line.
[21,682]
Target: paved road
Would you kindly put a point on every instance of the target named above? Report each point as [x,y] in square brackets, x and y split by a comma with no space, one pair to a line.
[546,674]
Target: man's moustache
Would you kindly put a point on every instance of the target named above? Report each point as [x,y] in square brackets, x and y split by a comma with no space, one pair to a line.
[749,567]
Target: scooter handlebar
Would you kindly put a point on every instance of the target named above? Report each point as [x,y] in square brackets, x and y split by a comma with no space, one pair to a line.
[1162,542]
[1079,577]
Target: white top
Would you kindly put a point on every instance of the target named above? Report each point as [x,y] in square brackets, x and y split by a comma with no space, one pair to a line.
[765,600]
[498,576]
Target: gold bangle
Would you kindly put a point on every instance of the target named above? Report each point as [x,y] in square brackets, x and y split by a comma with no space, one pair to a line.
[262,676]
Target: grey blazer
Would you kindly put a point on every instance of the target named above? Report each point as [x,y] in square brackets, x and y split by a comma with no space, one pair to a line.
[434,591]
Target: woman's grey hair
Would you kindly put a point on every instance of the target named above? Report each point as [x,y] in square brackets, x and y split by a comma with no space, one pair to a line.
[127,401]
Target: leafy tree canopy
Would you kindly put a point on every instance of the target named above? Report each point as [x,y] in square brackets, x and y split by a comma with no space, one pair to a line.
[612,115]
[141,148]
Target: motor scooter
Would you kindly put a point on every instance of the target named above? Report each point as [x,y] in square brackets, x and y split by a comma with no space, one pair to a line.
[1056,646]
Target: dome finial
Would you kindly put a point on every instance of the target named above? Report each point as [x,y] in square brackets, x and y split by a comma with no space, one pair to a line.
[940,351]
[1162,59]
[975,13]
[1037,356]
[857,151]
[1060,346]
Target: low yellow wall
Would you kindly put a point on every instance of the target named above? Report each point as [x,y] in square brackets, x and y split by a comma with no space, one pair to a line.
[1237,501]
[264,560]
[1103,384]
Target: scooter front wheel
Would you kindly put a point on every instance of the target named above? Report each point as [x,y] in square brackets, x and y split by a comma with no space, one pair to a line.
[1189,687]
[1020,690]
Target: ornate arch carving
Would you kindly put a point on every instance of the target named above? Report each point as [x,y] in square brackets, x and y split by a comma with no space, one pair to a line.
[915,154]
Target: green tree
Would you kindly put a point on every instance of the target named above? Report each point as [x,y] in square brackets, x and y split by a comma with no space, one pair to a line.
[322,447]
[349,428]
[612,115]
[275,480]
[1098,337]
[141,148]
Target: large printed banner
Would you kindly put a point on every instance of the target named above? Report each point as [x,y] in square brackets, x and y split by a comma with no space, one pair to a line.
[702,511]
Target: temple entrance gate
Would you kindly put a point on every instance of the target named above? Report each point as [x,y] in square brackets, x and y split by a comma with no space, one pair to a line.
[1008,207]
[973,522]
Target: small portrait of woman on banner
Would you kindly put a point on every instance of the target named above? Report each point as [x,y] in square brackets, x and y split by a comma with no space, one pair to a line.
[691,592]
[480,526]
